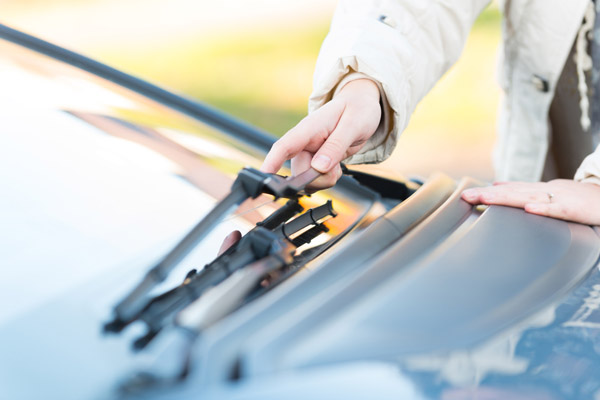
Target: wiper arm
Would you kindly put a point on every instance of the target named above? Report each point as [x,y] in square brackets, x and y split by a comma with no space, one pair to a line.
[215,304]
[257,244]
[192,318]
[221,300]
[250,183]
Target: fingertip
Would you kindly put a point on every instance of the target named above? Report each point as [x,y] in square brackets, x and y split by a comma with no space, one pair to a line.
[470,196]
[264,168]
[285,148]
[229,241]
[267,169]
[271,164]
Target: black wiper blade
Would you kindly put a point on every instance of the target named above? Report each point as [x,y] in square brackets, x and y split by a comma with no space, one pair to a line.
[255,245]
[221,300]
[250,183]
[214,305]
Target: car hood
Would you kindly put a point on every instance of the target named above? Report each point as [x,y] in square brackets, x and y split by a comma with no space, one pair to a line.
[419,296]
[98,183]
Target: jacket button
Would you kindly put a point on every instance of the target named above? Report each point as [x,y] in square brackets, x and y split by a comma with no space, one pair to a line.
[389,21]
[540,83]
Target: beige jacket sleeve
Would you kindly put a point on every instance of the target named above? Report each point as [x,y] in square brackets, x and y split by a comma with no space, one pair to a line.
[405,46]
[589,170]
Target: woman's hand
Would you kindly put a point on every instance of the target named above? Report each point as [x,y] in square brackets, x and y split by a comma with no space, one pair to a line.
[560,198]
[330,134]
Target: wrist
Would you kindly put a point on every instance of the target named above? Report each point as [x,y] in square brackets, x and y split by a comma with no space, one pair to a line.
[364,87]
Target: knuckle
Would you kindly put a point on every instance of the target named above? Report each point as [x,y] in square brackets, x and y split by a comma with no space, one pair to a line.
[536,198]
[568,212]
[565,212]
[334,146]
[320,134]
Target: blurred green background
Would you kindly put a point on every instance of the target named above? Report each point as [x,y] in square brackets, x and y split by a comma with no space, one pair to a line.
[254,59]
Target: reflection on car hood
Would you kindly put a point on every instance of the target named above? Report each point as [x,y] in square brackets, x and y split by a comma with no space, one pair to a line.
[434,299]
[98,183]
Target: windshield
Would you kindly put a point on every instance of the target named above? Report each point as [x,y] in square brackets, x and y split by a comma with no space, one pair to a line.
[99,179]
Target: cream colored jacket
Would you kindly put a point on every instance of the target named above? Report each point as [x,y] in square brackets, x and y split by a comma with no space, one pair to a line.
[407,45]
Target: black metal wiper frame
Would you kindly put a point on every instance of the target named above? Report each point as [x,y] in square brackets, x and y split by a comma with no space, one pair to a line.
[211,307]
[250,183]
[236,279]
[257,244]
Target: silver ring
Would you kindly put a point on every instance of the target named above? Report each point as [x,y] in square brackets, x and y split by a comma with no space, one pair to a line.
[550,196]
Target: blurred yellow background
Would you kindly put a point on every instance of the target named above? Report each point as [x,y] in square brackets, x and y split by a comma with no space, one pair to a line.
[254,59]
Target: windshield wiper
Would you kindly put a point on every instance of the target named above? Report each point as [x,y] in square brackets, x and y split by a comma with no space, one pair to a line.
[250,183]
[220,300]
[215,304]
[257,244]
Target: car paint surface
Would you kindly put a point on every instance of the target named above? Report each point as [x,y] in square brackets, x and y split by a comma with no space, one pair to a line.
[99,181]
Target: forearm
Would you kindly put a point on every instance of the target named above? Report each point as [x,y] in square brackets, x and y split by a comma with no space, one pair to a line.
[405,46]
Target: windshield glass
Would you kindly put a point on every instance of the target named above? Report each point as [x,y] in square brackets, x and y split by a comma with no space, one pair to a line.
[98,179]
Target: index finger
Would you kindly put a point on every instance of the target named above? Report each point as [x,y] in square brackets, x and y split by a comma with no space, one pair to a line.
[282,150]
[309,134]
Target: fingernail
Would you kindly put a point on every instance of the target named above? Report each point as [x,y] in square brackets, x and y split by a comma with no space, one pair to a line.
[321,163]
[469,194]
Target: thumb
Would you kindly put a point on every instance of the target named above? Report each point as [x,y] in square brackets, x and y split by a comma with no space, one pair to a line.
[334,150]
[321,162]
